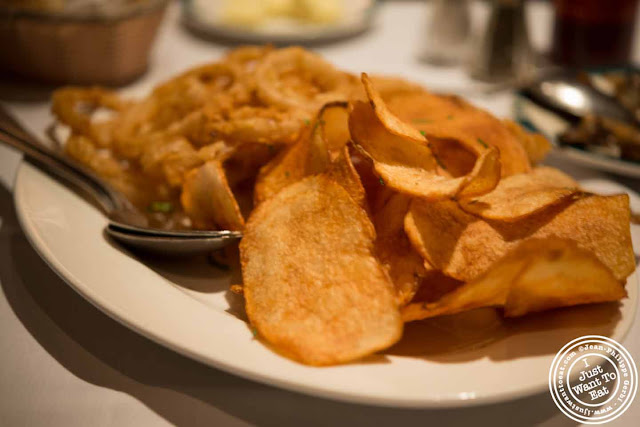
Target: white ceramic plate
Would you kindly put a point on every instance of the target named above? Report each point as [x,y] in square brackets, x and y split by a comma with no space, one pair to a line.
[206,18]
[464,360]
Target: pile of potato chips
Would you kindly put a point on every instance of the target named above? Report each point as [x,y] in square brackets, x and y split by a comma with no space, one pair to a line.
[369,203]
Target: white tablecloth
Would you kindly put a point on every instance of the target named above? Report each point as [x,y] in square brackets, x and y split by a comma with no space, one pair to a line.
[64,363]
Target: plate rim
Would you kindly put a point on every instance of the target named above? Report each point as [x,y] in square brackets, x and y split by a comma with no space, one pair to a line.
[446,401]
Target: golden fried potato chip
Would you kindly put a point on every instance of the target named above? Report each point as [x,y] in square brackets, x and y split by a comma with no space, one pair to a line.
[320,142]
[375,190]
[289,166]
[447,117]
[390,86]
[392,123]
[465,246]
[484,176]
[520,195]
[434,285]
[243,163]
[402,158]
[334,127]
[402,262]
[342,171]
[208,200]
[387,86]
[559,274]
[312,286]
[536,145]
[540,274]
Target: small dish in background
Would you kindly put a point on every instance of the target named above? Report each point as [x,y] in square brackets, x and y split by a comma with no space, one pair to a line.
[278,21]
[609,144]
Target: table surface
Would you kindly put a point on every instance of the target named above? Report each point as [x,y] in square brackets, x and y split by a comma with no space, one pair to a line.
[63,362]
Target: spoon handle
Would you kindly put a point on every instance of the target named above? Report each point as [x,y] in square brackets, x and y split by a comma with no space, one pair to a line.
[16,136]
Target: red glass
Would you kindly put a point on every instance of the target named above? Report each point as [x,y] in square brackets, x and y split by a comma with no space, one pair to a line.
[593,32]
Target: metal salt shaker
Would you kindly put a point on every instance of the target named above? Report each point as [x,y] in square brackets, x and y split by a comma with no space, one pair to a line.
[504,52]
[447,34]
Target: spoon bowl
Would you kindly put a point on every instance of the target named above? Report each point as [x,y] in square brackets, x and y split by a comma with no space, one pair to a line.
[574,100]
[179,246]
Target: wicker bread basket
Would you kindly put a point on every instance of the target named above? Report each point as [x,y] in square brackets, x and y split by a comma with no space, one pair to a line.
[57,48]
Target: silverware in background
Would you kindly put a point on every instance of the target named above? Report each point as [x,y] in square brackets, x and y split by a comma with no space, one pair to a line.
[504,52]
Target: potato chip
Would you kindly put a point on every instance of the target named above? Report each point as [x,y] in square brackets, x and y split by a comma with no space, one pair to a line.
[375,190]
[540,274]
[464,246]
[484,176]
[319,143]
[342,171]
[289,166]
[243,163]
[402,262]
[334,127]
[536,145]
[312,286]
[403,159]
[390,86]
[447,117]
[434,285]
[392,123]
[208,200]
[560,274]
[524,194]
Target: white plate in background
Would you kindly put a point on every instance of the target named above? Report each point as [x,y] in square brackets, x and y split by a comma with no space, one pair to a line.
[551,126]
[206,18]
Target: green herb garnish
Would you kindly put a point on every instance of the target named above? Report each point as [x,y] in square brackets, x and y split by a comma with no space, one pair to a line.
[254,331]
[484,144]
[381,181]
[423,133]
[307,122]
[164,207]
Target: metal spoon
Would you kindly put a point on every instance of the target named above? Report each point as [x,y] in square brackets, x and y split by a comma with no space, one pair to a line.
[573,99]
[127,224]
